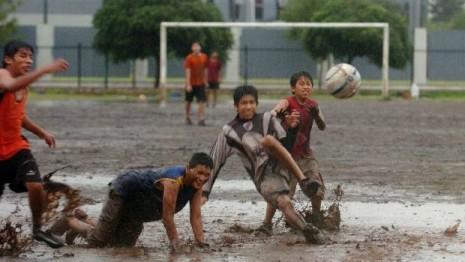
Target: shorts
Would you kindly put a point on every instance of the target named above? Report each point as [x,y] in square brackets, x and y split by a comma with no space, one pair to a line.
[198,92]
[273,183]
[114,226]
[213,85]
[20,169]
[310,168]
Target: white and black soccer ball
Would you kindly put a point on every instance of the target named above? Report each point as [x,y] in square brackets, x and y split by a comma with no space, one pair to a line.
[342,81]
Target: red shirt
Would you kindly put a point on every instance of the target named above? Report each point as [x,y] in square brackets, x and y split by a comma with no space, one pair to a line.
[214,67]
[301,145]
[12,112]
[197,64]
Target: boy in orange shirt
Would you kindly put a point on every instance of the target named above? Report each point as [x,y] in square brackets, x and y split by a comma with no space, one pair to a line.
[196,72]
[18,167]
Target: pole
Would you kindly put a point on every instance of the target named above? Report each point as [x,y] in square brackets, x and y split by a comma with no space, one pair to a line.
[163,65]
[79,64]
[45,12]
[386,61]
[107,70]
[246,61]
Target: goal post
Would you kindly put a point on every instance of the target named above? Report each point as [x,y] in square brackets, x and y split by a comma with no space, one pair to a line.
[165,25]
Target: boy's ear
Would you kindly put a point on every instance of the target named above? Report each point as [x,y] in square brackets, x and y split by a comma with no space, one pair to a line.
[7,60]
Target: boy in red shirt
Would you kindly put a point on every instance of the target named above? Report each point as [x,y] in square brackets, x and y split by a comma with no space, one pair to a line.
[196,72]
[214,68]
[18,167]
[300,111]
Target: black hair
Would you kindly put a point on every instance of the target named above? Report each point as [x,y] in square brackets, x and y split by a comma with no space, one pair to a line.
[244,90]
[12,47]
[201,158]
[296,76]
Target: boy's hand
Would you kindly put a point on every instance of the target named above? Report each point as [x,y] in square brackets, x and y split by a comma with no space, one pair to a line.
[188,88]
[58,65]
[49,139]
[293,119]
[177,246]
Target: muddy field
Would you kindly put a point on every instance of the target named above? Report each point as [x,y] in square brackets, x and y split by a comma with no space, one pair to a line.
[401,165]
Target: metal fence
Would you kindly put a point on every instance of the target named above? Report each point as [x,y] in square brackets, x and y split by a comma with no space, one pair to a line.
[89,68]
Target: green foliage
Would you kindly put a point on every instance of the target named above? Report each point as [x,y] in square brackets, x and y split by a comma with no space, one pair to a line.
[444,10]
[346,44]
[129,30]
[457,22]
[7,25]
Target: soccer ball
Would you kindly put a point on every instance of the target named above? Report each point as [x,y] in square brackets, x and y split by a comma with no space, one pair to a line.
[342,81]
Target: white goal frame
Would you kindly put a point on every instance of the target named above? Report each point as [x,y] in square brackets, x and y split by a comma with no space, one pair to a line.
[165,25]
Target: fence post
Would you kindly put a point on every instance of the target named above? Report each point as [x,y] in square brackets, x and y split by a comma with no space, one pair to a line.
[79,65]
[246,69]
[107,69]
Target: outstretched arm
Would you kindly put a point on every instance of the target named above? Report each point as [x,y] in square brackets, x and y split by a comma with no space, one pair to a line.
[32,127]
[10,84]
[219,153]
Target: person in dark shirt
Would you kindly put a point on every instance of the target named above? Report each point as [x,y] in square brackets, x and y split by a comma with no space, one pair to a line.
[299,112]
[139,196]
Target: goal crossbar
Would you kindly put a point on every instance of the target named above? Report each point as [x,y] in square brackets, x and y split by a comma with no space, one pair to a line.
[165,25]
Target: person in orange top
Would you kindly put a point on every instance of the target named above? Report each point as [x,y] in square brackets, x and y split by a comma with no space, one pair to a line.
[18,167]
[196,71]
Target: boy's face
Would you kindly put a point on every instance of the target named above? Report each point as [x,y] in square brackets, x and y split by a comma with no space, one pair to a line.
[200,174]
[303,88]
[21,62]
[247,107]
[196,48]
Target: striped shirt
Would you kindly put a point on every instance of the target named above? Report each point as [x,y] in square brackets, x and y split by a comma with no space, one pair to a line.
[244,138]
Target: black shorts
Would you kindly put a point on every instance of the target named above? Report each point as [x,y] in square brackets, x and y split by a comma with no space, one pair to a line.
[213,85]
[198,92]
[18,170]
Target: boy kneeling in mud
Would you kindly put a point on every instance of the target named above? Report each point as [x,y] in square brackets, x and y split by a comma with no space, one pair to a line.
[139,196]
[258,139]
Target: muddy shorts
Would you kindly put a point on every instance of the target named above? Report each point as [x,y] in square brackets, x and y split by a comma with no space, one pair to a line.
[198,92]
[309,166]
[114,227]
[19,170]
[274,182]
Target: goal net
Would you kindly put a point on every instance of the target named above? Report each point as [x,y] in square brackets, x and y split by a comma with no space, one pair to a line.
[264,56]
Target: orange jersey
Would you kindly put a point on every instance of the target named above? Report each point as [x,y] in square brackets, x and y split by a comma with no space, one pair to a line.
[12,112]
[197,64]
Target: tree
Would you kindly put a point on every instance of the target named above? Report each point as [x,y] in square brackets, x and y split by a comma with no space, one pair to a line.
[346,44]
[444,10]
[457,22]
[7,24]
[128,30]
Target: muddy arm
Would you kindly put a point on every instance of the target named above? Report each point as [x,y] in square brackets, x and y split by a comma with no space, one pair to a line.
[170,195]
[196,217]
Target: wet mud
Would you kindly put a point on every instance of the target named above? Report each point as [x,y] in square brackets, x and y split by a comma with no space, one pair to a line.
[401,165]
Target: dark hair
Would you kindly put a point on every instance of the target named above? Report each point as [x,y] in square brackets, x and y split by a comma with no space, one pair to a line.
[12,47]
[244,90]
[201,158]
[296,76]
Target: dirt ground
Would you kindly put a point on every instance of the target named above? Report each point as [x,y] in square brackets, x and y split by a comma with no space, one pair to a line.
[401,165]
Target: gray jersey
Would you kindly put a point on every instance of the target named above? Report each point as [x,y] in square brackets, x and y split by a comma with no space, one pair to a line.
[244,138]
